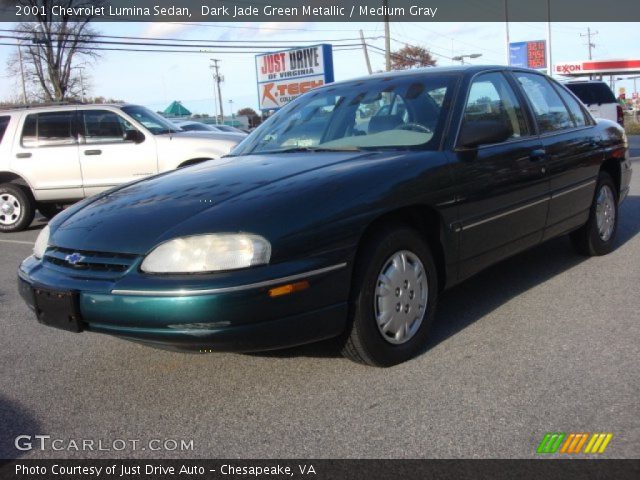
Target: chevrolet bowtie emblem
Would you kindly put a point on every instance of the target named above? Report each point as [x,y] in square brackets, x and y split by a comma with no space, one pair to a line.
[74,258]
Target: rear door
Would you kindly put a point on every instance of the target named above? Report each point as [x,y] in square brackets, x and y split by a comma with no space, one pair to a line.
[503,197]
[106,158]
[570,140]
[46,154]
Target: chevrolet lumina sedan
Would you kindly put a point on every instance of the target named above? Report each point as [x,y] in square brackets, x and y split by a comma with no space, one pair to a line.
[344,215]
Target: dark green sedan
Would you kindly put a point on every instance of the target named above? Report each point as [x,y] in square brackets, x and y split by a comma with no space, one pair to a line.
[344,215]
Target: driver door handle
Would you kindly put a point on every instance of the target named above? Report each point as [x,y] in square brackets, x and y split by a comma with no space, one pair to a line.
[93,152]
[538,155]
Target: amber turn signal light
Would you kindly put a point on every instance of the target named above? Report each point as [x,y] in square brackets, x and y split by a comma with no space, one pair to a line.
[288,288]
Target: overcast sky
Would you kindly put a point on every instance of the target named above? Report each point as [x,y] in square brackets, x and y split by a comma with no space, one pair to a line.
[156,79]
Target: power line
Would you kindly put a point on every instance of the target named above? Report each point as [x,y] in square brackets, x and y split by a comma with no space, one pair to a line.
[246,27]
[179,45]
[157,50]
[455,39]
[190,40]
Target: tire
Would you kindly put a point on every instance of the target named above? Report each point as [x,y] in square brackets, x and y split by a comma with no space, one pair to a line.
[16,207]
[49,210]
[590,240]
[364,340]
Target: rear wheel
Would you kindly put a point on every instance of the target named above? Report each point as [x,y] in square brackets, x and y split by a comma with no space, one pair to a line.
[16,207]
[597,236]
[393,300]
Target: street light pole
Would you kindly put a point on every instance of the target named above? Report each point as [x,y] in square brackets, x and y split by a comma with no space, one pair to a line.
[460,58]
[24,88]
[387,37]
[506,22]
[82,93]
[550,67]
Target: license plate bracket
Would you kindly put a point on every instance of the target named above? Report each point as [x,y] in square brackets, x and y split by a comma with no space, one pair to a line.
[59,309]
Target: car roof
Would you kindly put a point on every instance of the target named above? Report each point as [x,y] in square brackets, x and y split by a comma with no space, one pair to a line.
[62,107]
[469,70]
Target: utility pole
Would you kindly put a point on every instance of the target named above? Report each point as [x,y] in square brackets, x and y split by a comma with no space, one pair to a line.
[217,78]
[366,52]
[387,36]
[24,88]
[506,23]
[590,44]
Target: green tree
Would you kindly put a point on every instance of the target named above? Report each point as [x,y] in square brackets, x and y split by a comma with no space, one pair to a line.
[411,56]
[52,49]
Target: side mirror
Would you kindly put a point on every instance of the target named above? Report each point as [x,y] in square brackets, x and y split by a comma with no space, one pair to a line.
[135,136]
[483,132]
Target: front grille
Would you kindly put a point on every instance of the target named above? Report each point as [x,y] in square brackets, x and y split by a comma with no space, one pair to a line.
[89,264]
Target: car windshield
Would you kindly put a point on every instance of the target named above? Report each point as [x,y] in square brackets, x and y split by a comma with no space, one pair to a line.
[150,120]
[383,113]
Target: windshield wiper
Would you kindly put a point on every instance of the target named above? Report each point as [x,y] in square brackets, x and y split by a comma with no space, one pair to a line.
[311,149]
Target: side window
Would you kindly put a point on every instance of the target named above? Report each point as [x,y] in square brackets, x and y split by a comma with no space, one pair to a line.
[48,129]
[579,117]
[491,98]
[4,122]
[550,112]
[104,126]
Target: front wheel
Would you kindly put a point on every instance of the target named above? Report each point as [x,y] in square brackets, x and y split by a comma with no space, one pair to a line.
[16,207]
[393,299]
[49,210]
[597,236]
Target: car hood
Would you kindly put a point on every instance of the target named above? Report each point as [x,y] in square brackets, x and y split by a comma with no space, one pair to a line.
[238,137]
[134,217]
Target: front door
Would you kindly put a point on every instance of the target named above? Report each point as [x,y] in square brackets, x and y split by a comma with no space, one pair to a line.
[503,188]
[107,158]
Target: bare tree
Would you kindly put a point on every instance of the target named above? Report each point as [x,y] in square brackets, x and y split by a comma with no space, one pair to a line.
[411,56]
[53,48]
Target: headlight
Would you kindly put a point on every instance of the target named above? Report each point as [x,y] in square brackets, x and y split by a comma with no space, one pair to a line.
[41,243]
[208,253]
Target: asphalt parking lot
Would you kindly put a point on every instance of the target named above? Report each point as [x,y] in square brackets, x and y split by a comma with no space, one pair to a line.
[545,342]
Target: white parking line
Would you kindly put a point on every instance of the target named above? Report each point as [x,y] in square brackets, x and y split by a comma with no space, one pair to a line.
[21,242]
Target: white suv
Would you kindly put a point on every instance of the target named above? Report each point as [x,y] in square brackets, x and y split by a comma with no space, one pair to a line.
[598,98]
[55,155]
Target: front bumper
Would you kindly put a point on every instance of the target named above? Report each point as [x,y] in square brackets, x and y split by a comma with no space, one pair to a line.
[241,317]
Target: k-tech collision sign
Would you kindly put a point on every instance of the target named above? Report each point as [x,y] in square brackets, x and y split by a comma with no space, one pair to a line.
[286,74]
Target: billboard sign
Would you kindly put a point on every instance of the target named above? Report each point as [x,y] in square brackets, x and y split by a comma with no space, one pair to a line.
[287,74]
[528,54]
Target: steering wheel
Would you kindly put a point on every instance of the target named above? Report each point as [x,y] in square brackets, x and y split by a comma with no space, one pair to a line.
[414,127]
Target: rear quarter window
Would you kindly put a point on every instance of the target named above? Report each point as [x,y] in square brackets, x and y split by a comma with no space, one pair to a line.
[4,122]
[592,93]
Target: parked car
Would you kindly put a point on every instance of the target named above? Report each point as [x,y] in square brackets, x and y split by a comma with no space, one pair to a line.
[599,99]
[355,236]
[55,155]
[192,126]
[230,129]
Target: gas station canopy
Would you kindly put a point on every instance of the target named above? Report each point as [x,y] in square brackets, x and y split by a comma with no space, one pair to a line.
[598,67]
